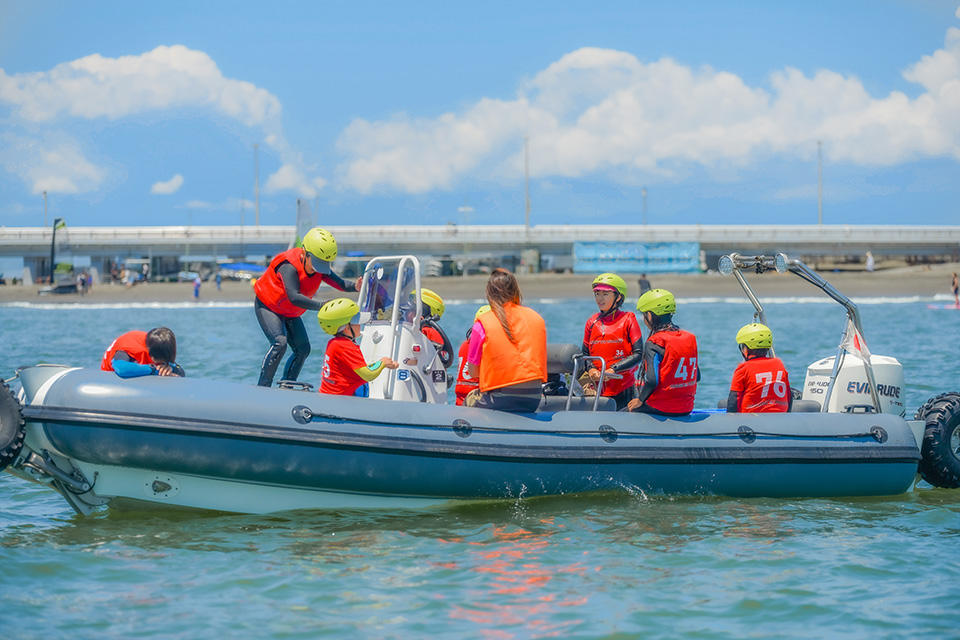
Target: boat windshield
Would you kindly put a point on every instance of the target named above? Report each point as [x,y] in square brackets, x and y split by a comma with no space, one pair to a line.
[380,288]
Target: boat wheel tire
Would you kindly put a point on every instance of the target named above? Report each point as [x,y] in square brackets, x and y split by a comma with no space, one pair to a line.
[11,426]
[940,451]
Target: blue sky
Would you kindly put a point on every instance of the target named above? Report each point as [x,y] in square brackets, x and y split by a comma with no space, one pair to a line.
[402,113]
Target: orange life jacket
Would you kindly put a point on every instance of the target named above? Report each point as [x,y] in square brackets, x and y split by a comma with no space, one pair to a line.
[678,372]
[504,363]
[465,384]
[763,386]
[612,341]
[134,343]
[271,292]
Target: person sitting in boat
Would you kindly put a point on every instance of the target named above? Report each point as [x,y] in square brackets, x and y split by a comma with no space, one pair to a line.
[760,383]
[143,353]
[466,383]
[668,369]
[507,350]
[345,372]
[429,325]
[615,336]
[285,291]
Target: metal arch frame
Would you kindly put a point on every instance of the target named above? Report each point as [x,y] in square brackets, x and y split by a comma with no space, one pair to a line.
[733,264]
[402,261]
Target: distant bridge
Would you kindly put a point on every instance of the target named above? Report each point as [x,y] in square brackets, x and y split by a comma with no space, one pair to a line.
[107,243]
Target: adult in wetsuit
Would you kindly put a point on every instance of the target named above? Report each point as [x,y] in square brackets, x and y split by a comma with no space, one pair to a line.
[285,291]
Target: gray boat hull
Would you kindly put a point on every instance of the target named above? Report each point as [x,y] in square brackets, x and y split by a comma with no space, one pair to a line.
[166,435]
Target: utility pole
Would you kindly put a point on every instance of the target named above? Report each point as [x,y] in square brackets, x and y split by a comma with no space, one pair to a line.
[819,182]
[526,179]
[256,182]
[643,196]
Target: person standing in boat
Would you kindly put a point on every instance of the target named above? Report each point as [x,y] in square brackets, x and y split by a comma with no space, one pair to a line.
[507,350]
[345,372]
[143,353]
[668,369]
[760,383]
[615,336]
[284,293]
[466,383]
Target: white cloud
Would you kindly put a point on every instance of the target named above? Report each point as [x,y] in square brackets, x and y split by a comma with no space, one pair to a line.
[162,80]
[599,110]
[291,177]
[54,164]
[169,187]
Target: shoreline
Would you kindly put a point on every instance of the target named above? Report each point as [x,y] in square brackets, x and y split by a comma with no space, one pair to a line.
[922,281]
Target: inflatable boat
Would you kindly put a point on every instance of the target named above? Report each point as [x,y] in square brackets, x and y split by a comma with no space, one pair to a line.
[96,438]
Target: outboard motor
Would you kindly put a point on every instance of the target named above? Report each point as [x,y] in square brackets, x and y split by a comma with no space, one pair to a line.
[391,315]
[851,391]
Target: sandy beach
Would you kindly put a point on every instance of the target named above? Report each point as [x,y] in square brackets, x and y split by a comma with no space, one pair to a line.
[924,281]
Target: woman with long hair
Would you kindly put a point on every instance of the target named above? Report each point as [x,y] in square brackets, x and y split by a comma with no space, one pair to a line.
[508,350]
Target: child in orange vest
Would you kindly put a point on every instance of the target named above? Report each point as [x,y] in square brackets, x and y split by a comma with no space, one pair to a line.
[760,383]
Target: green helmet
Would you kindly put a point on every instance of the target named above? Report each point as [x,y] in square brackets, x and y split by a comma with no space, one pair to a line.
[482,310]
[433,301]
[755,336]
[336,313]
[611,280]
[321,244]
[658,301]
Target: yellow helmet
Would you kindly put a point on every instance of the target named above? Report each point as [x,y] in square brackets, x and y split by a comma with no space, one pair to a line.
[433,301]
[611,280]
[321,244]
[755,336]
[482,310]
[659,301]
[336,313]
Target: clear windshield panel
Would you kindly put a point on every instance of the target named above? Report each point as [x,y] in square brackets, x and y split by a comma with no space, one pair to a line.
[380,288]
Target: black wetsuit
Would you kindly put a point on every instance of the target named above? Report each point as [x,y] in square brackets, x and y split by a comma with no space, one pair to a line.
[283,330]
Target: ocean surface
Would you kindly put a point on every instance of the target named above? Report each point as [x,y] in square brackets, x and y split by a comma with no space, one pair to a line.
[615,565]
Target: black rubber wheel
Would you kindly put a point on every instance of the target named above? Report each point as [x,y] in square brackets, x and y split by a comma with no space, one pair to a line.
[11,426]
[940,452]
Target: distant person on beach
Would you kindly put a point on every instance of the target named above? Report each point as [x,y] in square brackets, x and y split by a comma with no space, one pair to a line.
[615,336]
[143,353]
[196,287]
[285,291]
[219,279]
[760,383]
[955,286]
[345,371]
[668,370]
[644,283]
[508,350]
[870,264]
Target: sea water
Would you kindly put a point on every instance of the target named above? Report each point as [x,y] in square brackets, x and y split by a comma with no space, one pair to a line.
[616,565]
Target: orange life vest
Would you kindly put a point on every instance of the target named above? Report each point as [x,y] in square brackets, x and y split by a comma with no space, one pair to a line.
[271,292]
[678,372]
[134,343]
[504,363]
[612,341]
[465,384]
[763,386]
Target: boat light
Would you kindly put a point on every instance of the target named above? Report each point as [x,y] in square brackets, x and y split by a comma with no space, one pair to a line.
[726,265]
